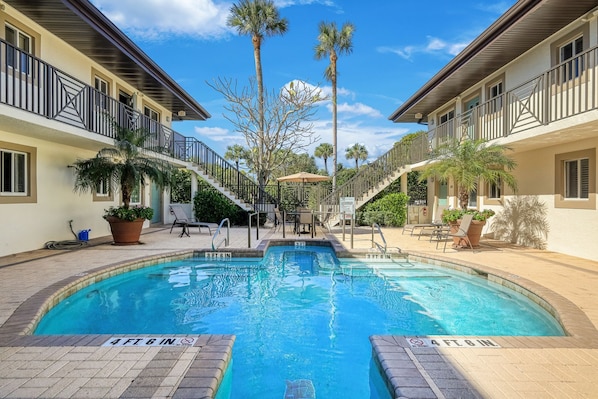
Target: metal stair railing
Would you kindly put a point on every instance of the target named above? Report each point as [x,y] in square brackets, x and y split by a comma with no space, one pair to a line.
[376,174]
[228,176]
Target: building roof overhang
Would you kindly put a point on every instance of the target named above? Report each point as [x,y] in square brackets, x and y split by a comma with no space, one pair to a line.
[522,27]
[85,28]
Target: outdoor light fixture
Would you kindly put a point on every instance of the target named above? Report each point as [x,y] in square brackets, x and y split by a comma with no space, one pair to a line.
[181,113]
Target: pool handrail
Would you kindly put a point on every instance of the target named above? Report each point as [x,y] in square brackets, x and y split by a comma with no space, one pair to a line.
[382,249]
[226,240]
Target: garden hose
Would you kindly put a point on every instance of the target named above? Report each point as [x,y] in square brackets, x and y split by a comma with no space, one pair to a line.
[66,244]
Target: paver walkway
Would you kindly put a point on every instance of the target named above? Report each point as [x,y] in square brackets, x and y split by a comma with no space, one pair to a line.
[77,367]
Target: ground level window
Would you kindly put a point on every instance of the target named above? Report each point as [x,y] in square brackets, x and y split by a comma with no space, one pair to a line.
[577,179]
[494,190]
[13,172]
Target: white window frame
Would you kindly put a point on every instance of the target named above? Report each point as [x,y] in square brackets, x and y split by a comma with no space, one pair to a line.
[25,49]
[577,170]
[495,190]
[154,120]
[495,96]
[103,91]
[570,52]
[15,181]
[103,189]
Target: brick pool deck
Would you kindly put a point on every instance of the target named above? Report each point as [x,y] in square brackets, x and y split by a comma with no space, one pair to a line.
[80,367]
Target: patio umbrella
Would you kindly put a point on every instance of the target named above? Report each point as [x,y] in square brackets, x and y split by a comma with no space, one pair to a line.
[303,177]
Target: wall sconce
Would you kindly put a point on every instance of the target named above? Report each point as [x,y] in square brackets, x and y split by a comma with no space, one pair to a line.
[181,113]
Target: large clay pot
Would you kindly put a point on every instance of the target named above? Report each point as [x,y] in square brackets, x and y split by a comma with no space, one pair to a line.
[125,232]
[474,233]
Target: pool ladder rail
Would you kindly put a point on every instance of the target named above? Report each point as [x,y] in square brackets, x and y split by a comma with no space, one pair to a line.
[382,247]
[225,240]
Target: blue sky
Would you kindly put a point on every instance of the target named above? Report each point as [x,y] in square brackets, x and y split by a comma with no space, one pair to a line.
[398,46]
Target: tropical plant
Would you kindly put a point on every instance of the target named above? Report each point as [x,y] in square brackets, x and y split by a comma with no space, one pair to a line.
[467,162]
[332,43]
[123,167]
[180,186]
[453,215]
[357,152]
[324,151]
[522,221]
[258,19]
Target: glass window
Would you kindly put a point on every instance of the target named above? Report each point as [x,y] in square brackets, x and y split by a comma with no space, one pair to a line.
[13,172]
[136,195]
[473,199]
[152,121]
[571,51]
[102,92]
[494,190]
[495,97]
[103,189]
[577,179]
[17,57]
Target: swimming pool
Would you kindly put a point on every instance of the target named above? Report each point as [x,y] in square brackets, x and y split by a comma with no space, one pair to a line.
[298,314]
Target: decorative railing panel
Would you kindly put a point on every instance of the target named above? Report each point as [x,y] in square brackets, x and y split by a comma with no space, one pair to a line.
[29,84]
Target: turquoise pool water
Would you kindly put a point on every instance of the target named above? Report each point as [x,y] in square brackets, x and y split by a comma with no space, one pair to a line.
[298,313]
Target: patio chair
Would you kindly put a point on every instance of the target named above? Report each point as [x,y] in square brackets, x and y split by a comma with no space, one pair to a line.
[305,219]
[181,219]
[425,228]
[461,233]
[280,221]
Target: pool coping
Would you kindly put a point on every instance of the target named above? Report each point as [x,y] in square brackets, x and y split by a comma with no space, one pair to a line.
[218,349]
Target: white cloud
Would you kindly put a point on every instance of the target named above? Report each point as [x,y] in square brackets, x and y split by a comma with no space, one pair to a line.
[377,140]
[434,45]
[357,109]
[219,134]
[158,19]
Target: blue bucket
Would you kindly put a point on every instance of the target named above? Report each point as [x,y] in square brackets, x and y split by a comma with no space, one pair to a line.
[84,235]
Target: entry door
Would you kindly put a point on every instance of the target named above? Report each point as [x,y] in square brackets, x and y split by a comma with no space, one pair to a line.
[156,201]
[443,194]
[471,117]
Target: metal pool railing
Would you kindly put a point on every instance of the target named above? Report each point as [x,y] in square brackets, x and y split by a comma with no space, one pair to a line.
[225,240]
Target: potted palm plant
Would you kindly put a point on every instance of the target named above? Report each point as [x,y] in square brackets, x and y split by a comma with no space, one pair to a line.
[466,163]
[123,167]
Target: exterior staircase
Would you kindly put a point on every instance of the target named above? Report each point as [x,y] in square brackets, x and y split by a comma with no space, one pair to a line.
[376,176]
[222,175]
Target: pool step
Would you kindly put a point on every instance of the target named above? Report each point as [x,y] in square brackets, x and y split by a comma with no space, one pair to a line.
[300,389]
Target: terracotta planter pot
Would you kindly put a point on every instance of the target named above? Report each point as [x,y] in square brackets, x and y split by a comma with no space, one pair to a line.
[125,232]
[474,233]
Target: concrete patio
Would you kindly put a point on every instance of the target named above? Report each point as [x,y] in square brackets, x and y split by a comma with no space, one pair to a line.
[80,367]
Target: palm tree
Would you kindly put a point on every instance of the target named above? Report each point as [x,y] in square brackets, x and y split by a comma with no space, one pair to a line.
[332,43]
[235,153]
[466,162]
[324,151]
[123,166]
[258,19]
[358,152]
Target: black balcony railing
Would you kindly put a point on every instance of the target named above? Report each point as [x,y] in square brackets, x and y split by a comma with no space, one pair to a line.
[33,85]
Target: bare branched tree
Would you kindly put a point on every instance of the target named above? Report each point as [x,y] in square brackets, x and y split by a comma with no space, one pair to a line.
[287,120]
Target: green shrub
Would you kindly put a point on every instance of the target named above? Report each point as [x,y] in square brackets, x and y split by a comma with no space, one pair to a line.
[390,210]
[209,205]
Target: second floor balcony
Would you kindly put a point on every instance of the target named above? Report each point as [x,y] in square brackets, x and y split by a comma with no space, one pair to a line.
[562,92]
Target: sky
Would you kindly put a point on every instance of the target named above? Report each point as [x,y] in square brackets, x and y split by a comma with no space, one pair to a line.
[398,45]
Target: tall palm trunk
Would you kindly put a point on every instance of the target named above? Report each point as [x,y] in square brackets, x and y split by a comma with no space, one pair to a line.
[333,59]
[260,93]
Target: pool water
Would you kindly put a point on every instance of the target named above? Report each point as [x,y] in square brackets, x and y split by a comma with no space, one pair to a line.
[298,314]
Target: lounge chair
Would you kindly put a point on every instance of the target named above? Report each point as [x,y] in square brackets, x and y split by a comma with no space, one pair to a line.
[461,233]
[181,219]
[325,221]
[426,227]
